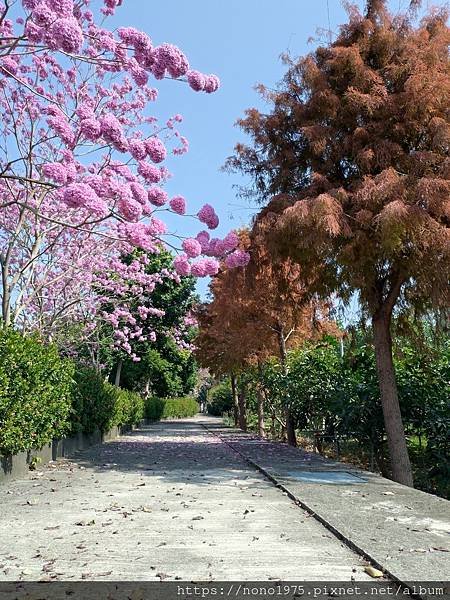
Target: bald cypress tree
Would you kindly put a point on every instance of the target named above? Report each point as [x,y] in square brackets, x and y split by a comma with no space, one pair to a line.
[352,163]
[258,311]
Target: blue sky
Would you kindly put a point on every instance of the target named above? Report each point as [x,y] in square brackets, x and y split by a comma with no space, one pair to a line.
[241,41]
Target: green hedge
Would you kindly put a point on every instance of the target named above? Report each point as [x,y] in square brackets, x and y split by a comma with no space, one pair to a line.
[35,393]
[128,407]
[154,408]
[44,397]
[101,405]
[170,408]
[92,404]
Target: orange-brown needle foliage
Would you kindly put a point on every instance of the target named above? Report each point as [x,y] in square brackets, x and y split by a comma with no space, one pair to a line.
[354,160]
[253,308]
[256,312]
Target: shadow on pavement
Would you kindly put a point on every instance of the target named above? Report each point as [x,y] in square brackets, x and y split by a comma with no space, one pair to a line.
[176,451]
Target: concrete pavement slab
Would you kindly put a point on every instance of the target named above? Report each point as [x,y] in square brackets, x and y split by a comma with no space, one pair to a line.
[170,501]
[404,531]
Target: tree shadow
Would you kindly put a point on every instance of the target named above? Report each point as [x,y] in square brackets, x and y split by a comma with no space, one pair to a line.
[194,457]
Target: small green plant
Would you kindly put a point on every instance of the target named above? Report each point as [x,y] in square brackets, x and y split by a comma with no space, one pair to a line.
[34,462]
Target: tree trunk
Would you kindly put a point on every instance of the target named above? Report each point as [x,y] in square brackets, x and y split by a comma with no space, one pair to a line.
[118,372]
[261,425]
[6,298]
[235,399]
[242,409]
[290,428]
[398,451]
[273,431]
[290,425]
[260,400]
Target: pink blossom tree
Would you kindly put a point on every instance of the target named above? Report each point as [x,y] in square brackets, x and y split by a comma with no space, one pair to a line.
[81,158]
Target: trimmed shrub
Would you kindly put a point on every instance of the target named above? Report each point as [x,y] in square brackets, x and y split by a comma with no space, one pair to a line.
[220,400]
[154,408]
[177,408]
[128,406]
[93,403]
[101,405]
[35,393]
[170,408]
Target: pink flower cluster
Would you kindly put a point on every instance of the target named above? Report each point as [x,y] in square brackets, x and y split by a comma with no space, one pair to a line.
[207,215]
[157,196]
[203,83]
[54,22]
[81,195]
[178,205]
[139,235]
[205,267]
[155,149]
[91,129]
[60,172]
[149,172]
[58,122]
[112,132]
[238,258]
[203,238]
[169,58]
[201,268]
[192,247]
[65,35]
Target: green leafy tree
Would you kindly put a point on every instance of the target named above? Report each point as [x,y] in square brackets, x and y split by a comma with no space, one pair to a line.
[165,368]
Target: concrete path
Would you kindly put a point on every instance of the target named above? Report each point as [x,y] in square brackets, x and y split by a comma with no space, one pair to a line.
[170,501]
[405,531]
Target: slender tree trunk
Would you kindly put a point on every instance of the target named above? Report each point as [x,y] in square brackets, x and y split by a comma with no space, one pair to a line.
[6,299]
[260,400]
[400,463]
[261,425]
[242,409]
[290,425]
[235,399]
[118,372]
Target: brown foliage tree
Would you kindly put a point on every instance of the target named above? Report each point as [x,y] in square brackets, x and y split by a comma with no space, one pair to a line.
[353,158]
[256,312]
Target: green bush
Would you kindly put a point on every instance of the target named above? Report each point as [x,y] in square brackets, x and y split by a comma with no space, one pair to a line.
[170,408]
[154,408]
[220,400]
[128,406]
[35,393]
[177,408]
[93,403]
[101,405]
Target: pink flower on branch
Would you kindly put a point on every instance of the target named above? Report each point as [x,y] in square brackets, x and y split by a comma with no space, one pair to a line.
[66,35]
[157,196]
[238,258]
[207,215]
[178,205]
[155,149]
[181,265]
[192,247]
